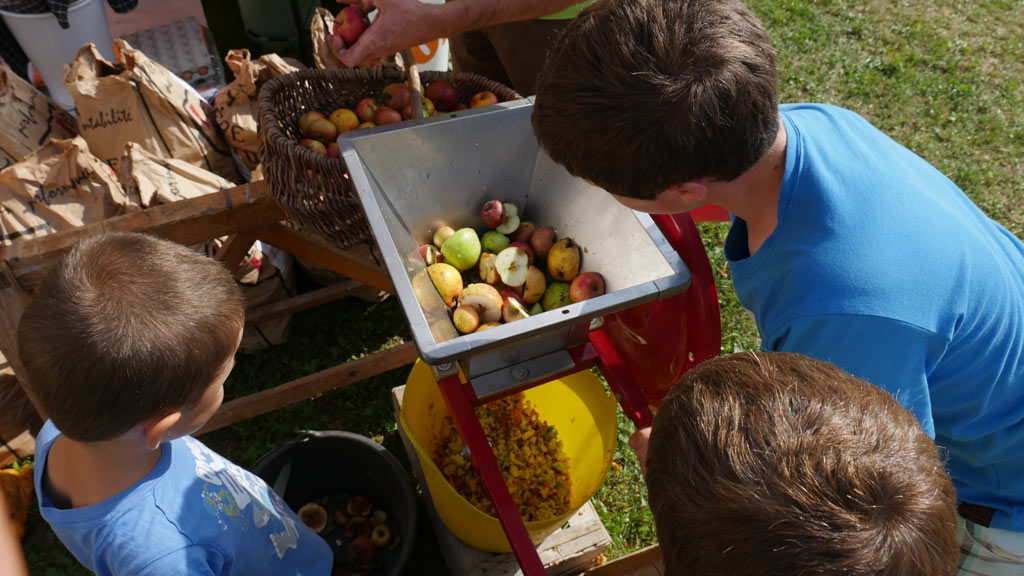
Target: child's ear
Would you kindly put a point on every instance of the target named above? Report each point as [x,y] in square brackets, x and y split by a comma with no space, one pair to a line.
[691,192]
[158,426]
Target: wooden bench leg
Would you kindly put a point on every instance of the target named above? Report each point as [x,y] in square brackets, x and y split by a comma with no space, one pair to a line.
[13,299]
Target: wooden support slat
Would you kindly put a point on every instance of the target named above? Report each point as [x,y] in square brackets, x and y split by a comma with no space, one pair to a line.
[302,301]
[342,262]
[312,385]
[644,562]
[234,249]
[187,222]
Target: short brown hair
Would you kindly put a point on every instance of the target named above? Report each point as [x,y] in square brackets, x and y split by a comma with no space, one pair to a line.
[126,327]
[638,95]
[775,463]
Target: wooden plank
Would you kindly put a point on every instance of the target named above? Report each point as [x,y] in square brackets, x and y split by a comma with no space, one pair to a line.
[312,385]
[13,299]
[234,249]
[303,301]
[346,262]
[187,222]
[644,562]
[569,550]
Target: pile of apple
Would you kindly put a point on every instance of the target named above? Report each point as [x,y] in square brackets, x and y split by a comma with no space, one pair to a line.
[365,527]
[513,271]
[393,104]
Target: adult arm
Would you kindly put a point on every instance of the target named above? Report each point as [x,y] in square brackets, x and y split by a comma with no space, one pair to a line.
[401,24]
[892,355]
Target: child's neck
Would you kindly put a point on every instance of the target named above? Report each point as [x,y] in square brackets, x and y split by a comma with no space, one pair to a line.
[86,473]
[754,196]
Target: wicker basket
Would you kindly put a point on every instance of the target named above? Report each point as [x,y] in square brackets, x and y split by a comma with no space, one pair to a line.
[314,189]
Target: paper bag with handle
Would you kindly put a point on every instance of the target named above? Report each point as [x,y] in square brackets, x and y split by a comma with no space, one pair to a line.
[58,187]
[28,118]
[138,100]
[235,105]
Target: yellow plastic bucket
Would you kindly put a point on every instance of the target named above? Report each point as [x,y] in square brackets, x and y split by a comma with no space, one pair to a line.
[577,406]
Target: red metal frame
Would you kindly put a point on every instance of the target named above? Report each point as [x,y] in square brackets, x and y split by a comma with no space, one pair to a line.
[678,332]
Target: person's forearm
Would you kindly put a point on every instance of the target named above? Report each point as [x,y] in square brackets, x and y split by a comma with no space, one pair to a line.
[465,15]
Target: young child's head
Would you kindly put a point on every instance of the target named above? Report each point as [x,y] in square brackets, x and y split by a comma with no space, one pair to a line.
[639,95]
[126,328]
[780,464]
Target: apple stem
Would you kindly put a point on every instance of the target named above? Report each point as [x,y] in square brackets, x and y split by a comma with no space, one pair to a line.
[412,71]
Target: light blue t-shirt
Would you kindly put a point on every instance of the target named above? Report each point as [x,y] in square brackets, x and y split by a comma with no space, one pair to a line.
[195,514]
[884,267]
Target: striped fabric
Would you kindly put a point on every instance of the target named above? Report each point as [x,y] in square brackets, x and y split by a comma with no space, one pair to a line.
[989,551]
[59,8]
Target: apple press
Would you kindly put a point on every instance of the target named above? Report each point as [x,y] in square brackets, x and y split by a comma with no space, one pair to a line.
[658,318]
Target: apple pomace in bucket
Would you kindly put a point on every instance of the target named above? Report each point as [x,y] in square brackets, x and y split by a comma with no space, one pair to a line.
[529,453]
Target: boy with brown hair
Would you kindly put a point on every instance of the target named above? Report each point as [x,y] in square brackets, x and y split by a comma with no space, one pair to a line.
[775,463]
[127,343]
[845,245]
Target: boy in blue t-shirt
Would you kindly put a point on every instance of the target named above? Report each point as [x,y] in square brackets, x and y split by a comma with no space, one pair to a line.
[127,343]
[846,246]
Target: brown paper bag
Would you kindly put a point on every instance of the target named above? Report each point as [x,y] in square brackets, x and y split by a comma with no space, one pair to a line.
[28,118]
[58,187]
[321,29]
[156,180]
[235,105]
[138,100]
[266,275]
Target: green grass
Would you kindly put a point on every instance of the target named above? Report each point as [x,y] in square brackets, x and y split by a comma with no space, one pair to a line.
[943,77]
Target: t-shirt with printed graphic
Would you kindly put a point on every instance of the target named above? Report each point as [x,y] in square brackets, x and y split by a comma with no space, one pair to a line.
[196,513]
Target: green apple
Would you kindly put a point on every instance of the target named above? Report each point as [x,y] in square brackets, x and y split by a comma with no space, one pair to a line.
[462,249]
[556,296]
[494,241]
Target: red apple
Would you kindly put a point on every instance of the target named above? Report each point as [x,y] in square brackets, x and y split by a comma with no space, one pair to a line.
[397,96]
[541,241]
[459,106]
[333,151]
[443,94]
[386,115]
[484,98]
[510,293]
[525,248]
[350,23]
[365,109]
[524,232]
[361,551]
[586,286]
[306,119]
[314,145]
[493,214]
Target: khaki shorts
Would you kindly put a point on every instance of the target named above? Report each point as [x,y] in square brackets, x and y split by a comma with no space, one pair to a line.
[989,551]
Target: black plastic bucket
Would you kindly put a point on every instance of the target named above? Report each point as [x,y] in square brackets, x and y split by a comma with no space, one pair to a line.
[320,464]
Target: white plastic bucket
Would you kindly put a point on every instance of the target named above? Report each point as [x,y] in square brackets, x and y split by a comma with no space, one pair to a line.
[434,54]
[49,47]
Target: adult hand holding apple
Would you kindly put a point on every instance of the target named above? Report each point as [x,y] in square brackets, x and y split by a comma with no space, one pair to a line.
[398,25]
[402,24]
